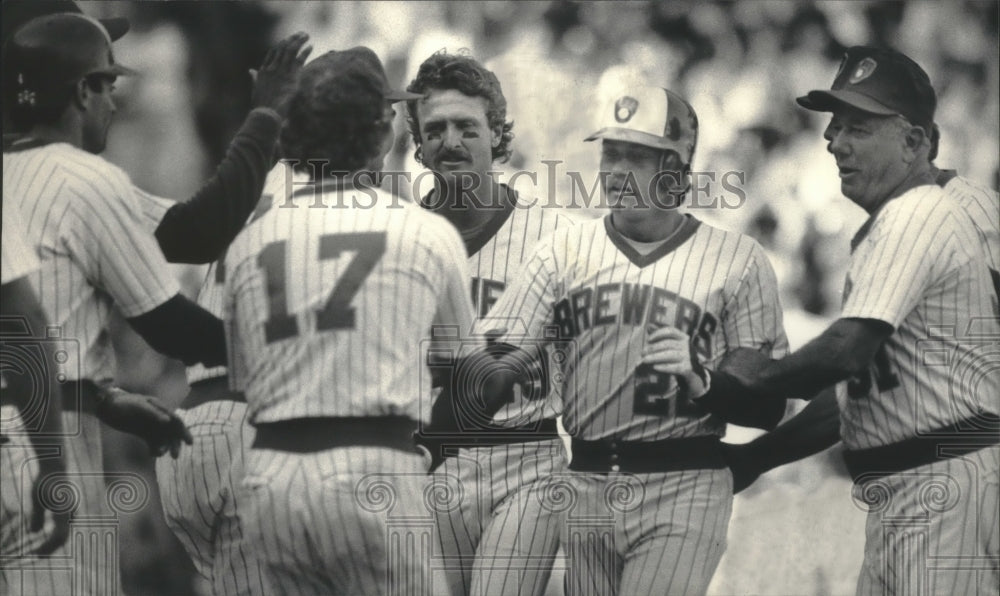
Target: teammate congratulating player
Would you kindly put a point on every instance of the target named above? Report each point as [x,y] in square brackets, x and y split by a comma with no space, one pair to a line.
[325,308]
[630,298]
[501,538]
[913,354]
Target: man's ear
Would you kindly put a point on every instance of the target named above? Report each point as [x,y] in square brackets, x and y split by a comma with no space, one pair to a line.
[497,136]
[914,139]
[81,94]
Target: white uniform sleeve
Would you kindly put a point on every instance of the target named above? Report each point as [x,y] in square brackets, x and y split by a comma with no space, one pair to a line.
[18,258]
[111,244]
[752,317]
[152,208]
[524,311]
[907,248]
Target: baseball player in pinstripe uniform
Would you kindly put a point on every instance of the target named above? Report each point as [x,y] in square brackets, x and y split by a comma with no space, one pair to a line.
[201,489]
[914,351]
[23,510]
[633,301]
[325,309]
[500,539]
[80,215]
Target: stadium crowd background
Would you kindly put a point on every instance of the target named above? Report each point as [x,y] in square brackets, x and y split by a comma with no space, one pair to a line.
[741,64]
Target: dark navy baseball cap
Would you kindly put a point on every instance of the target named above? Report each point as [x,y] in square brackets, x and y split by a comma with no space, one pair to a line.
[16,13]
[878,81]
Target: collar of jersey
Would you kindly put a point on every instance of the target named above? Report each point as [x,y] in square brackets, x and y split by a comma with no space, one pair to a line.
[477,242]
[687,229]
[12,143]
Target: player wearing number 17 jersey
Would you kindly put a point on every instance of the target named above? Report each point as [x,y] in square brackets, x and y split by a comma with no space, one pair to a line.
[329,300]
[652,495]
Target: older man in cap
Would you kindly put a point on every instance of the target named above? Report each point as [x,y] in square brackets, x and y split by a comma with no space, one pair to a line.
[913,355]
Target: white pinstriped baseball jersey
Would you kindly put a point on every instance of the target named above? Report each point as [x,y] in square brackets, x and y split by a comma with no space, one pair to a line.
[918,265]
[983,206]
[16,259]
[358,290]
[495,257]
[82,214]
[591,285]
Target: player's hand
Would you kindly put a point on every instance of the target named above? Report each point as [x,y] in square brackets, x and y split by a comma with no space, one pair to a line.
[743,463]
[275,82]
[669,350]
[44,499]
[146,418]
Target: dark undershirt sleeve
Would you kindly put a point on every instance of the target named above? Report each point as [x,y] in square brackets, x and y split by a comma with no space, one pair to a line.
[198,230]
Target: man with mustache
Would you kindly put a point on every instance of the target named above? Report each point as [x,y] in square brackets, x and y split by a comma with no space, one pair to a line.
[503,536]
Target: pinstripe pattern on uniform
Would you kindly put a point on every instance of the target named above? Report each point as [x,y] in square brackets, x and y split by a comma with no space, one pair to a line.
[202,497]
[501,539]
[82,216]
[983,206]
[717,285]
[933,529]
[201,491]
[367,370]
[920,268]
[661,533]
[16,259]
[602,295]
[332,522]
[317,527]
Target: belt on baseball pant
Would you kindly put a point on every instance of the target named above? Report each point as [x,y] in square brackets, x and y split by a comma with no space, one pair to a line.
[954,440]
[209,390]
[309,435]
[492,436]
[646,457]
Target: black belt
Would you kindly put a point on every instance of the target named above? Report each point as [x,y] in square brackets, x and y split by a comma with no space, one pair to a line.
[209,390]
[491,436]
[308,435]
[960,438]
[644,457]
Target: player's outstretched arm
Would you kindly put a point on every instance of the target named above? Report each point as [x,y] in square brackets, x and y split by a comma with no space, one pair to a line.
[199,230]
[18,300]
[814,429]
[844,349]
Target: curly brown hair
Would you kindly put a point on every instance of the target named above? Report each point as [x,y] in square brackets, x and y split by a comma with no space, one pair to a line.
[337,120]
[443,71]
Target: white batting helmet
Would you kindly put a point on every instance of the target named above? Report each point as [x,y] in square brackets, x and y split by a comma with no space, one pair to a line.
[650,116]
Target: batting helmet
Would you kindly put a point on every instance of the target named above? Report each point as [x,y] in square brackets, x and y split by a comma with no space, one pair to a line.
[650,116]
[50,52]
[16,13]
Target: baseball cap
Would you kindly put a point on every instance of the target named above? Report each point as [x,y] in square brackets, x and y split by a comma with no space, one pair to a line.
[650,116]
[878,81]
[18,12]
[358,61]
[51,51]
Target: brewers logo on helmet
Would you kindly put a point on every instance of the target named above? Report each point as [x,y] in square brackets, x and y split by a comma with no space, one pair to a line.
[650,116]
